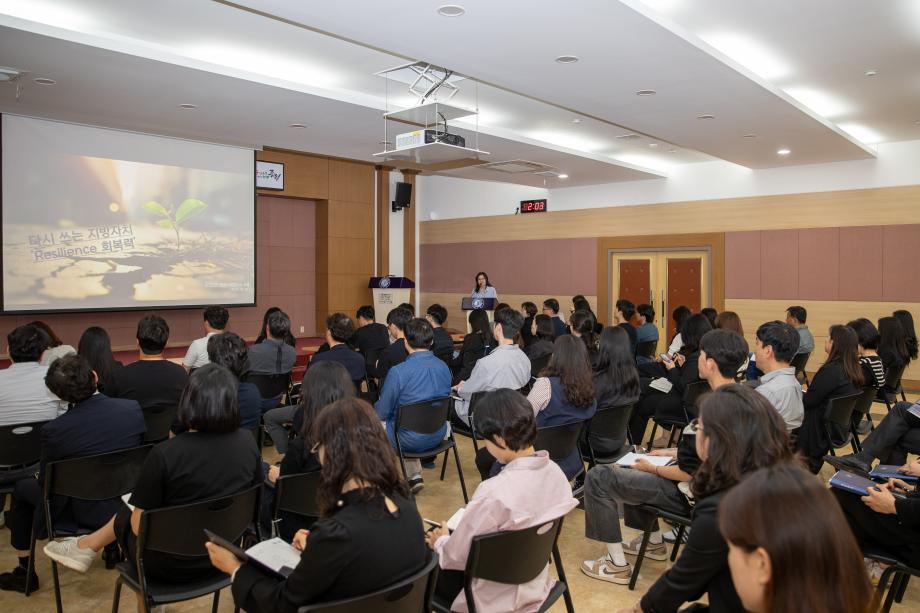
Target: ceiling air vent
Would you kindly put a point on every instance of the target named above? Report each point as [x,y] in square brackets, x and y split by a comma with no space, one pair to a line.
[516,166]
[627,136]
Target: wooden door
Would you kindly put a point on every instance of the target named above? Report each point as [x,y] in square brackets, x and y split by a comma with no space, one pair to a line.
[635,280]
[684,287]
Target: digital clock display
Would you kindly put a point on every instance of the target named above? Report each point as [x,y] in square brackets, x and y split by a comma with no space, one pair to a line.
[533,206]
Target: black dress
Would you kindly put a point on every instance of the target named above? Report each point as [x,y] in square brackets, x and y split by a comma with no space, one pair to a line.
[829,382]
[473,348]
[360,548]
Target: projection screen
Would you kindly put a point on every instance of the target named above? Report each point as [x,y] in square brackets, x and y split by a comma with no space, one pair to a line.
[103,219]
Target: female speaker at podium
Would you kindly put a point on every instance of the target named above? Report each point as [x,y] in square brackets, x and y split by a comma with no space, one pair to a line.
[483,288]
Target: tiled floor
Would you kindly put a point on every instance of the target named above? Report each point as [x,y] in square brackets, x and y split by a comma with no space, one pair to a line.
[93,591]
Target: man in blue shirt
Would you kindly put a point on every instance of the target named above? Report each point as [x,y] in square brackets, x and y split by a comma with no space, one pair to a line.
[422,376]
[551,308]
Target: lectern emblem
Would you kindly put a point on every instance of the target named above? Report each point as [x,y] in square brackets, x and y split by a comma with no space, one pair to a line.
[385,282]
[477,303]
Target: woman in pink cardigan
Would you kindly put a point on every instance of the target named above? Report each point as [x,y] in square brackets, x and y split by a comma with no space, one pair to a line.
[529,491]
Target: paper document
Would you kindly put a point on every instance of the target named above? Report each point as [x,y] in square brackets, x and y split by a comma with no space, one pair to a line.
[661,384]
[454,520]
[631,458]
[276,555]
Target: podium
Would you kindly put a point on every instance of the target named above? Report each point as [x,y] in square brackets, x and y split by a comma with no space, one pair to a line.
[474,304]
[389,293]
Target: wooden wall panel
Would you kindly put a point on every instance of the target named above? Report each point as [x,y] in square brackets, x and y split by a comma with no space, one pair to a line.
[861,260]
[861,207]
[383,221]
[742,265]
[409,232]
[819,263]
[305,176]
[351,220]
[351,181]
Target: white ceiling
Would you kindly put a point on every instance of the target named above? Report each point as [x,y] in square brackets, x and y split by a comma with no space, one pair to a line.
[129,64]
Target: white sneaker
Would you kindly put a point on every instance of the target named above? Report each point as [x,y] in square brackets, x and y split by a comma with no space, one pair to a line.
[67,552]
[605,570]
[653,551]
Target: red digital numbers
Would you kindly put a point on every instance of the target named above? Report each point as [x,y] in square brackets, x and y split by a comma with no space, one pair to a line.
[533,206]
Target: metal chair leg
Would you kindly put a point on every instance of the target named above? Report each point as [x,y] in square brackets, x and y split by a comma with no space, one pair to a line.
[677,541]
[651,439]
[57,587]
[639,557]
[444,463]
[466,498]
[116,598]
[567,594]
[216,602]
[30,567]
[883,585]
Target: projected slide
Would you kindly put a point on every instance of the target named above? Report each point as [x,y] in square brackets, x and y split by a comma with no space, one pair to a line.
[101,219]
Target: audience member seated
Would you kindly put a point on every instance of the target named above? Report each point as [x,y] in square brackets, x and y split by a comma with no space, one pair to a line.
[795,317]
[370,532]
[529,491]
[339,331]
[551,308]
[680,372]
[153,381]
[24,397]
[892,346]
[56,348]
[541,331]
[529,311]
[580,303]
[288,338]
[422,376]
[616,384]
[910,333]
[788,547]
[94,424]
[840,375]
[881,520]
[96,347]
[394,353]
[476,344]
[273,356]
[443,347]
[774,348]
[737,433]
[506,367]
[581,324]
[609,486]
[624,311]
[215,322]
[370,338]
[407,306]
[213,458]
[322,385]
[563,394]
[230,351]
[722,352]
[898,432]
[729,320]
[680,315]
[711,314]
[646,330]
[867,337]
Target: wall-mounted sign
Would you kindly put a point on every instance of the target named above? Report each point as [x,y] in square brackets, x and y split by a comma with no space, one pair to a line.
[269,175]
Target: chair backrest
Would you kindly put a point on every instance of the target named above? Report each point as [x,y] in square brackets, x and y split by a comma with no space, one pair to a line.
[610,422]
[799,361]
[647,349]
[410,595]
[20,444]
[179,530]
[512,557]
[560,441]
[893,376]
[693,391]
[537,365]
[158,422]
[840,409]
[297,494]
[424,417]
[270,386]
[97,477]
[864,402]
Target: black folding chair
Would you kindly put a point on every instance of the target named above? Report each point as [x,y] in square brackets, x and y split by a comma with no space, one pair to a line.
[457,425]
[513,558]
[647,349]
[839,415]
[888,393]
[179,531]
[608,423]
[862,409]
[799,361]
[411,595]
[20,448]
[559,441]
[158,421]
[681,521]
[295,494]
[896,576]
[427,418]
[270,386]
[691,398]
[97,477]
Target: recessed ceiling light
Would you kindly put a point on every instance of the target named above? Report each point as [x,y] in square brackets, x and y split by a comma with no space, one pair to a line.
[186,105]
[783,152]
[626,136]
[653,145]
[44,81]
[871,73]
[646,92]
[749,136]
[576,120]
[705,117]
[567,59]
[297,125]
[563,176]
[451,10]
